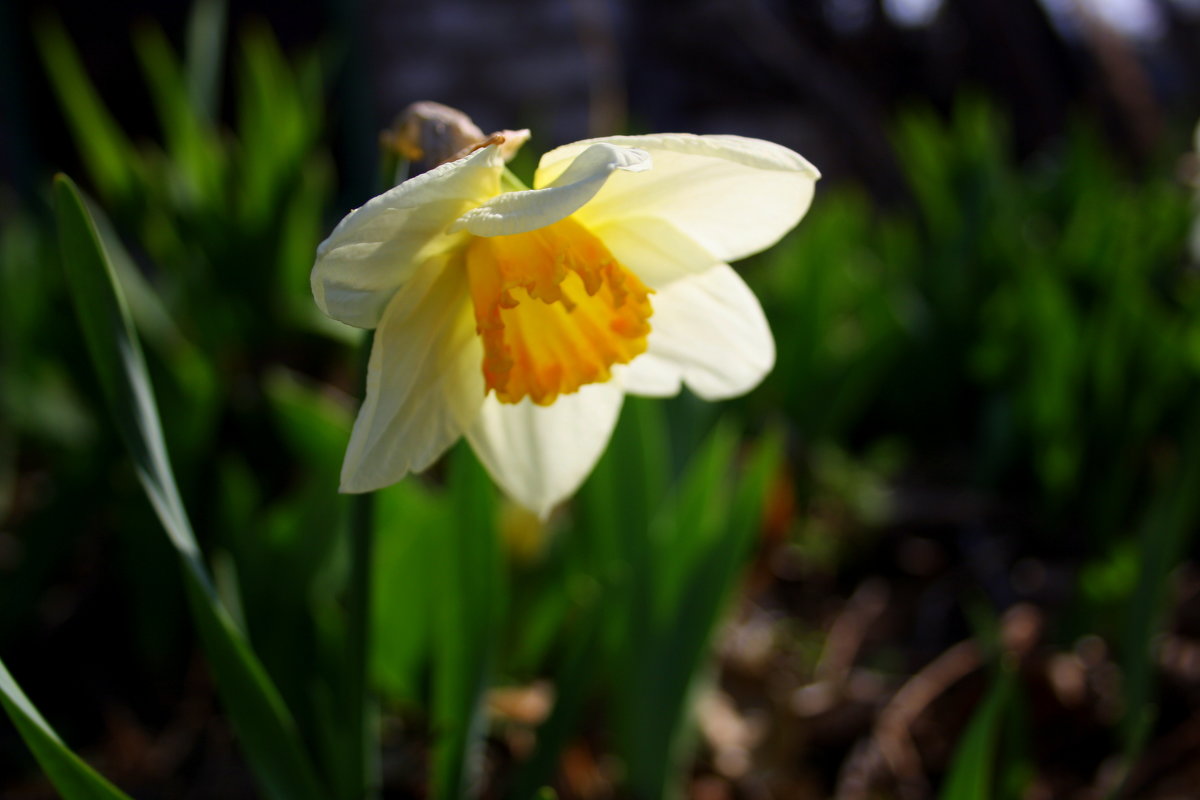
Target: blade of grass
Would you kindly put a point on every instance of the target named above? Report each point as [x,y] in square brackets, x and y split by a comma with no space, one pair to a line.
[265,727]
[272,121]
[105,149]
[617,503]
[628,483]
[191,146]
[411,519]
[205,52]
[972,771]
[1170,519]
[72,776]
[715,550]
[571,685]
[686,529]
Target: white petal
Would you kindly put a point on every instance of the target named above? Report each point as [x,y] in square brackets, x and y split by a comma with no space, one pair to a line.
[709,331]
[734,196]
[424,381]
[576,184]
[539,455]
[654,250]
[649,376]
[376,248]
[513,140]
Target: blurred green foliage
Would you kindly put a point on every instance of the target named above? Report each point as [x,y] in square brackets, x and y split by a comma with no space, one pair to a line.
[1028,332]
[1042,320]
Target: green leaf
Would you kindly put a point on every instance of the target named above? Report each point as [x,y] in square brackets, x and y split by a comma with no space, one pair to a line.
[275,126]
[572,681]
[73,778]
[972,773]
[616,505]
[708,529]
[191,143]
[265,727]
[1169,524]
[469,599]
[410,521]
[106,150]
[191,380]
[686,529]
[205,53]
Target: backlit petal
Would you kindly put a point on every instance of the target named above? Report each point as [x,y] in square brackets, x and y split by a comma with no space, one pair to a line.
[574,185]
[424,386]
[732,195]
[654,249]
[709,331]
[540,454]
[376,248]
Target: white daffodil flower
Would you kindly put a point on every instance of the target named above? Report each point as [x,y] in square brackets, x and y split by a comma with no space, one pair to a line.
[520,319]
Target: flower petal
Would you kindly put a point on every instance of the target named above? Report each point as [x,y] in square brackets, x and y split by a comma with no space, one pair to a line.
[734,196]
[654,250]
[376,248]
[540,454]
[709,331]
[424,383]
[574,185]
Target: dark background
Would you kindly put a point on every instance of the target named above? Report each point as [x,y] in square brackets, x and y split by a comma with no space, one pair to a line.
[823,77]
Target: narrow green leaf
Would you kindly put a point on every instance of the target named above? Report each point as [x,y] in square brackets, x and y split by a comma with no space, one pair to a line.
[266,729]
[685,528]
[73,778]
[1169,523]
[205,54]
[617,503]
[191,143]
[106,150]
[191,380]
[274,126]
[117,357]
[676,655]
[972,773]
[410,521]
[469,600]
[572,684]
[713,579]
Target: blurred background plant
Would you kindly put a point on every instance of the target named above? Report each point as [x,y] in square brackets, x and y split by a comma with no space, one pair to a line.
[945,550]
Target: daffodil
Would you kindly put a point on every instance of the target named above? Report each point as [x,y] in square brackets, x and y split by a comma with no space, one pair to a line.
[519,318]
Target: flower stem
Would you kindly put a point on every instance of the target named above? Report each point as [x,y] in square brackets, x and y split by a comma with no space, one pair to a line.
[509,182]
[361,707]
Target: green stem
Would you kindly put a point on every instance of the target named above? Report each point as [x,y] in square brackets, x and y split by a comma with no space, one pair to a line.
[361,704]
[509,182]
[361,707]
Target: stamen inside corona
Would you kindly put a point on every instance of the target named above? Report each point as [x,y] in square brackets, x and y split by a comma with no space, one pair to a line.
[555,311]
